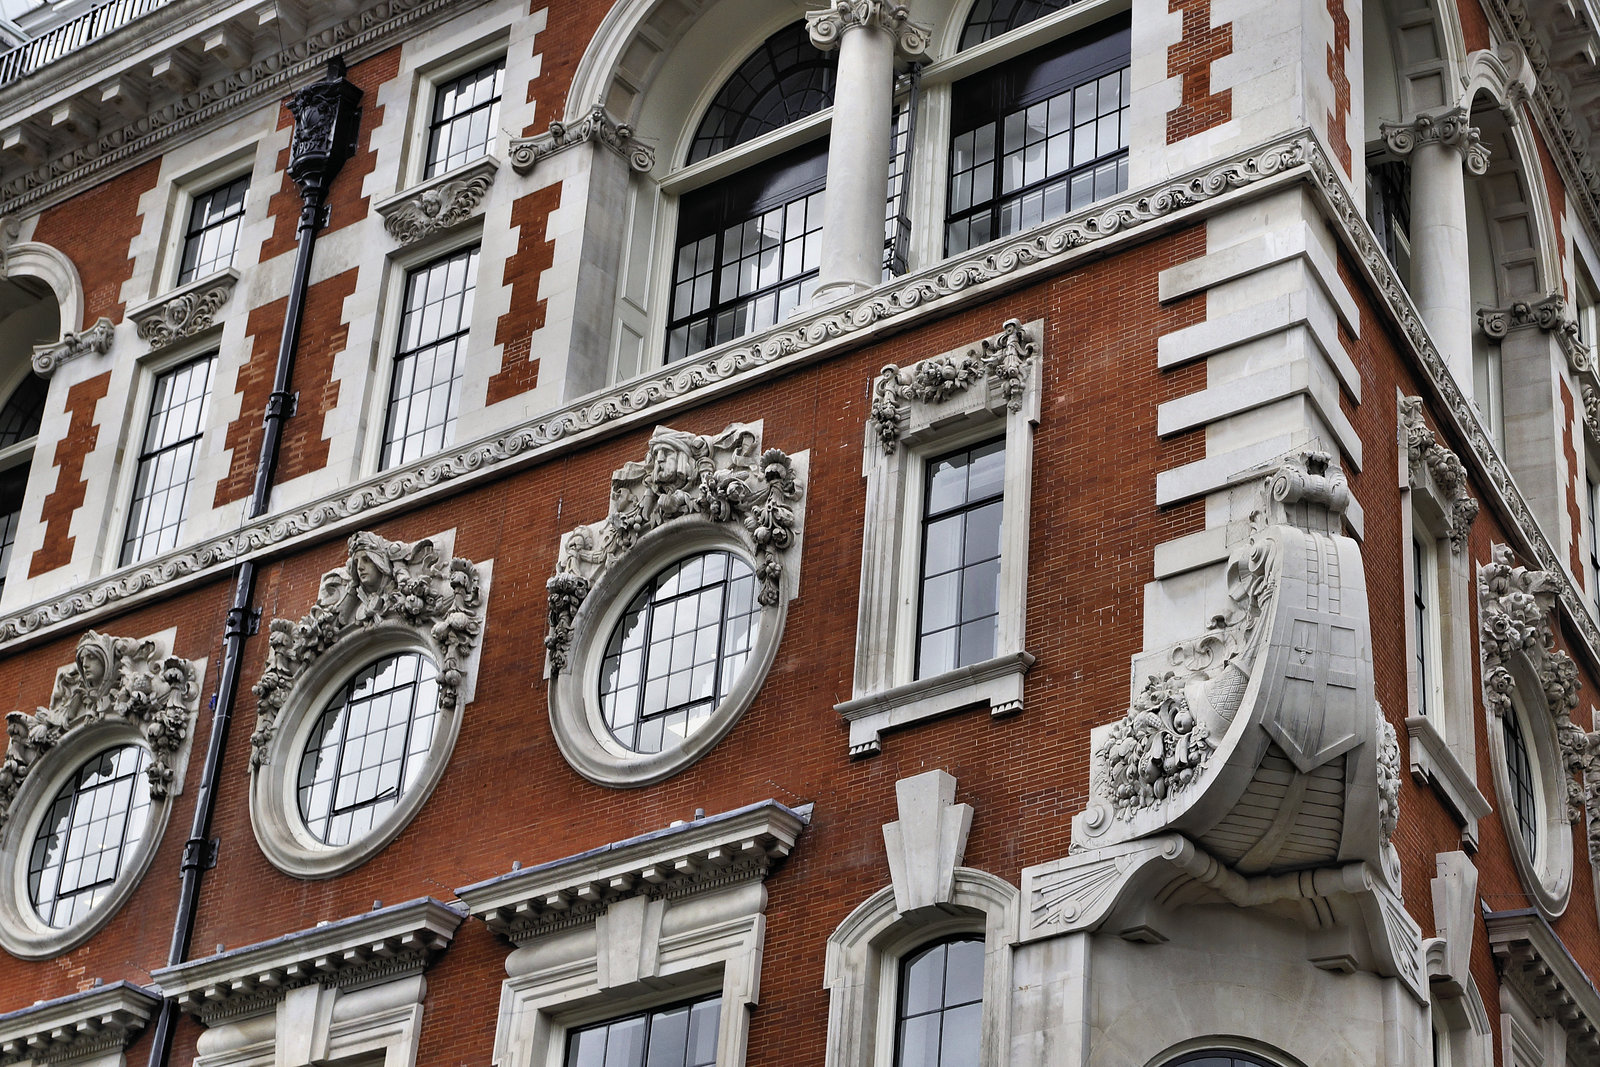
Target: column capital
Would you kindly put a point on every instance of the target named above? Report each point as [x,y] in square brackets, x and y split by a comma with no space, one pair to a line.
[1549,313]
[1449,127]
[832,22]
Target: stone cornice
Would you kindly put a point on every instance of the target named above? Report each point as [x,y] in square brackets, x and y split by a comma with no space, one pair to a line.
[186,311]
[385,943]
[78,1025]
[187,115]
[1534,962]
[96,340]
[1450,127]
[827,26]
[439,203]
[738,845]
[597,126]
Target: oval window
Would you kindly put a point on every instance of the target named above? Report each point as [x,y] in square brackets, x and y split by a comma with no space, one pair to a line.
[90,832]
[368,747]
[678,649]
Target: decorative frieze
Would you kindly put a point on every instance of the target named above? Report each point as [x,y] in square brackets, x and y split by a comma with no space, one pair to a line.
[439,204]
[94,340]
[833,22]
[1449,127]
[1001,362]
[1428,458]
[597,126]
[724,479]
[390,584]
[184,313]
[118,679]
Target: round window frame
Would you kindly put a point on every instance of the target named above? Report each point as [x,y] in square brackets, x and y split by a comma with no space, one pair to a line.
[1547,875]
[576,719]
[22,932]
[275,818]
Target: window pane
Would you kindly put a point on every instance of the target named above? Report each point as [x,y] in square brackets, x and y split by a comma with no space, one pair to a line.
[958,611]
[684,1035]
[170,447]
[213,232]
[425,391]
[465,114]
[784,80]
[96,820]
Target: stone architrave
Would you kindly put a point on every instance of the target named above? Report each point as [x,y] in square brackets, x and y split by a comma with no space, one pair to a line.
[391,584]
[110,679]
[726,478]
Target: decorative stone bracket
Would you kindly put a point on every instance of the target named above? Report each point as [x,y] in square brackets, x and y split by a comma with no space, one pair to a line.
[111,679]
[393,584]
[597,126]
[79,1027]
[1427,458]
[186,312]
[1450,127]
[725,479]
[832,22]
[439,203]
[1002,363]
[96,339]
[1554,315]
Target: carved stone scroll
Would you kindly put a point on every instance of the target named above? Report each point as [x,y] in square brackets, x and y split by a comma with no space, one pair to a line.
[383,584]
[1549,314]
[838,18]
[726,478]
[439,205]
[96,339]
[597,126]
[1425,454]
[1450,127]
[110,679]
[185,314]
[1001,362]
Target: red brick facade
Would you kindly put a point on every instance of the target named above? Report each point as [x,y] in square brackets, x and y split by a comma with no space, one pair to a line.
[1191,59]
[519,372]
[59,507]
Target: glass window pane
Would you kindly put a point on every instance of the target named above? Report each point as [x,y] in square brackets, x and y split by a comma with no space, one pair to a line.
[96,820]
[170,447]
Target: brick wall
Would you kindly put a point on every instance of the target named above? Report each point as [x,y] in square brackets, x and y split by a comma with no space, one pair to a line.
[1190,59]
[515,329]
[81,437]
[94,230]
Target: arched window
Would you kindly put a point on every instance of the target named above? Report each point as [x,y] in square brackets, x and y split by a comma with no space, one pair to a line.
[19,427]
[97,819]
[1218,1058]
[1039,136]
[749,245]
[939,1019]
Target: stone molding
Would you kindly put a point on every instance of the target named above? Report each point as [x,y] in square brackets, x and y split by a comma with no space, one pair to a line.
[741,845]
[928,842]
[827,26]
[597,126]
[725,479]
[110,679]
[1532,960]
[1450,127]
[190,310]
[269,75]
[1002,362]
[439,203]
[1549,313]
[382,945]
[75,1027]
[383,584]
[1427,458]
[96,339]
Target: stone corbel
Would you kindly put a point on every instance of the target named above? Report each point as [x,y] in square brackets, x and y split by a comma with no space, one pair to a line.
[1434,467]
[1455,906]
[1003,364]
[597,126]
[928,842]
[190,310]
[389,584]
[1449,127]
[439,203]
[118,679]
[96,339]
[1549,314]
[831,23]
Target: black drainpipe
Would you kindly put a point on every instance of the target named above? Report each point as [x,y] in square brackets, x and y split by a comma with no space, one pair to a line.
[326,115]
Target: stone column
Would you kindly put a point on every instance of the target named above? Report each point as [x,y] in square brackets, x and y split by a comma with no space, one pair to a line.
[1439,143]
[868,34]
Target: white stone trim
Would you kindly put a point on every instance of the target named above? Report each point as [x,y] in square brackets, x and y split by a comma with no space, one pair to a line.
[301,678]
[439,203]
[1434,763]
[87,1029]
[30,259]
[190,309]
[657,918]
[910,424]
[1547,988]
[78,730]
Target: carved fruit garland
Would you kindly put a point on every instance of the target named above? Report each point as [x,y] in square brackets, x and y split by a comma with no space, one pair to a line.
[1001,360]
[383,583]
[722,479]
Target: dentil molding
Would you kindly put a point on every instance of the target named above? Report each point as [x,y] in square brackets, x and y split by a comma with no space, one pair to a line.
[186,312]
[833,22]
[94,340]
[391,584]
[439,203]
[110,679]
[1426,457]
[1451,127]
[1000,362]
[78,1026]
[597,126]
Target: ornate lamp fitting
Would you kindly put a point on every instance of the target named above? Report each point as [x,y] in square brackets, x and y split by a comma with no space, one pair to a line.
[326,115]
[829,25]
[1451,128]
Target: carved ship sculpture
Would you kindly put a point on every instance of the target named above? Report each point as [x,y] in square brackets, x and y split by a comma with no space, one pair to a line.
[1255,767]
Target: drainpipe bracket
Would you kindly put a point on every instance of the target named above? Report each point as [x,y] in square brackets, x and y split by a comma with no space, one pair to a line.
[199,854]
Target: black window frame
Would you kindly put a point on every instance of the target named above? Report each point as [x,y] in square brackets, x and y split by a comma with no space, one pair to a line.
[71,792]
[1423,565]
[150,454]
[927,520]
[1522,772]
[435,164]
[902,993]
[650,1016]
[200,224]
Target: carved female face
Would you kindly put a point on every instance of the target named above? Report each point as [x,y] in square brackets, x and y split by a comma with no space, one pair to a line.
[91,668]
[367,571]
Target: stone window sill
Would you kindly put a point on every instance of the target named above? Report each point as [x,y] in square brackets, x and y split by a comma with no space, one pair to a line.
[996,682]
[1433,764]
